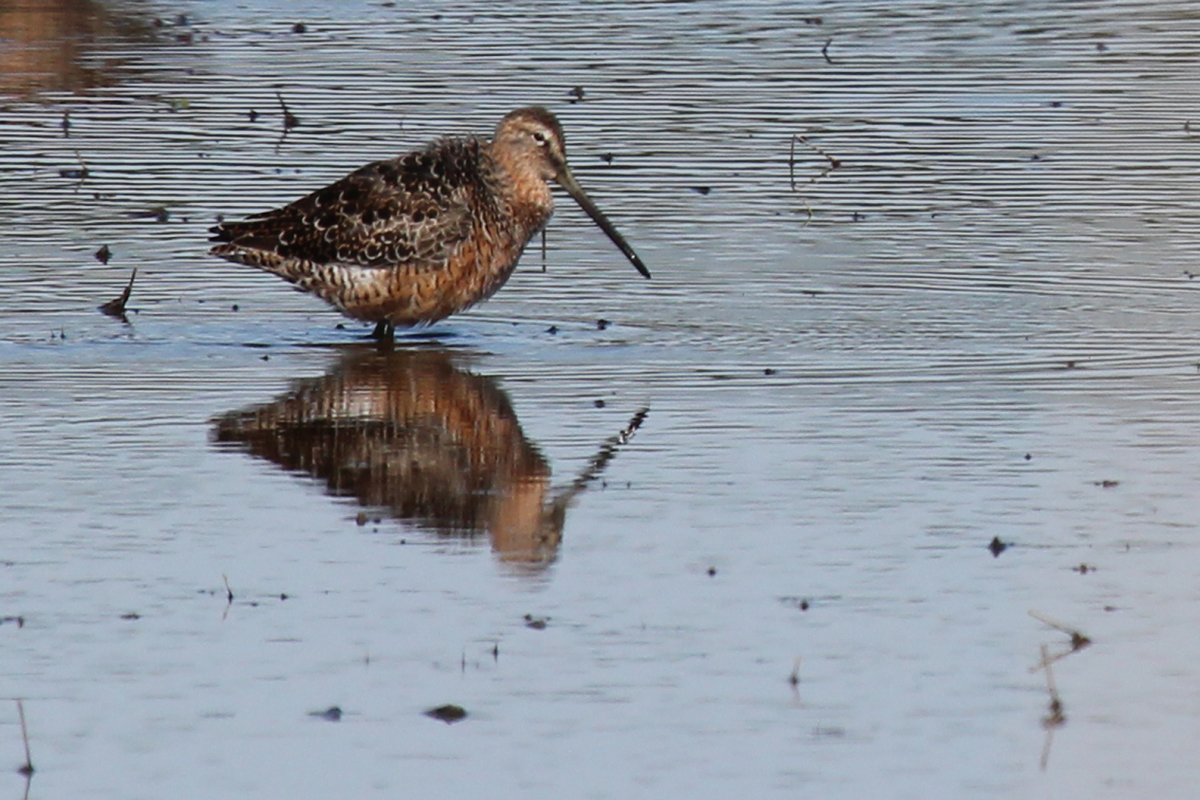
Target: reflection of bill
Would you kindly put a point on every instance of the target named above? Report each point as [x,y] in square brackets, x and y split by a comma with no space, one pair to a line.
[409,431]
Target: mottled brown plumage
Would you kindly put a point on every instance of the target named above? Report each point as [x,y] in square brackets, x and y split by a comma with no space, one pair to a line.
[415,239]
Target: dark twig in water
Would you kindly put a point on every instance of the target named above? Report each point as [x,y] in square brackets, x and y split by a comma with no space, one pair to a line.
[825,51]
[228,599]
[543,249]
[26,768]
[116,307]
[290,120]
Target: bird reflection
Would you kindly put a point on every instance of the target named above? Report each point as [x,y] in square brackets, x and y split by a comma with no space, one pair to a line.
[438,447]
[52,46]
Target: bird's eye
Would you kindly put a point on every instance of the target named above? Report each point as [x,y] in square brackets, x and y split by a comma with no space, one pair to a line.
[539,137]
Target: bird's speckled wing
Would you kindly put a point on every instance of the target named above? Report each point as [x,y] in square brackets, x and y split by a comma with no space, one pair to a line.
[408,212]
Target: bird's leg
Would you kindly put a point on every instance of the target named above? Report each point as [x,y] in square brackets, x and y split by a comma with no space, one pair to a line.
[385,331]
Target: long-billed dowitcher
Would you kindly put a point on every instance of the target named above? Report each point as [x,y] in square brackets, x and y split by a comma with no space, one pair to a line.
[415,239]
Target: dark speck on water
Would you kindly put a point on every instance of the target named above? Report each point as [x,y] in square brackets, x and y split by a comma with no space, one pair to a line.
[448,714]
[331,714]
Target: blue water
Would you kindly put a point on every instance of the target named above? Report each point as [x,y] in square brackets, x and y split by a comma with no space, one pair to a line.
[980,325]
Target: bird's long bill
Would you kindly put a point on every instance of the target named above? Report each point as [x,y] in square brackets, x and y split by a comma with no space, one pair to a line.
[568,182]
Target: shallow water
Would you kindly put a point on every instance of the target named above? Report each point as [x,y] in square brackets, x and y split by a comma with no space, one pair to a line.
[795,442]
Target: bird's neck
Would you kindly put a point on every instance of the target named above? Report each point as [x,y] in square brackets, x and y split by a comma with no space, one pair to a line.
[523,187]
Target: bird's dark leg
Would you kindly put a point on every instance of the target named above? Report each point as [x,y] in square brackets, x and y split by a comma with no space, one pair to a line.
[385,331]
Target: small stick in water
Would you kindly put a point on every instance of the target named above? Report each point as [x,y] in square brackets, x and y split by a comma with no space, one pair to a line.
[26,768]
[116,307]
[1078,640]
[290,120]
[834,163]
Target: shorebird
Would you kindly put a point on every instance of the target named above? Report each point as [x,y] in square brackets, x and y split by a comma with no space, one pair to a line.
[414,239]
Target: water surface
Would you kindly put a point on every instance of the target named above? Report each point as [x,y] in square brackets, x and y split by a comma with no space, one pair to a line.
[796,442]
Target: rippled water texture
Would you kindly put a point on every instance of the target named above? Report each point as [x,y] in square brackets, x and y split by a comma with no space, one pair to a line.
[923,282]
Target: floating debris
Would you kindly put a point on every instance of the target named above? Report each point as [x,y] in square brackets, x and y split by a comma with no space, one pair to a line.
[536,623]
[116,307]
[25,769]
[1078,640]
[1055,717]
[103,254]
[331,714]
[448,713]
[834,163]
[290,120]
[997,547]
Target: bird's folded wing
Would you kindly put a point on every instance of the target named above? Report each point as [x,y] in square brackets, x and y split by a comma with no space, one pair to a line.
[408,212]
